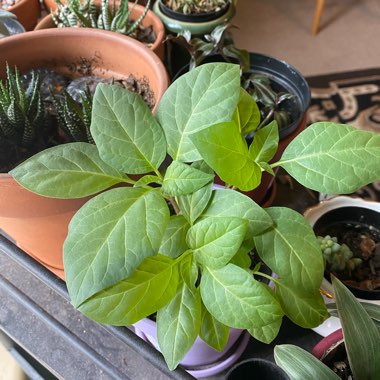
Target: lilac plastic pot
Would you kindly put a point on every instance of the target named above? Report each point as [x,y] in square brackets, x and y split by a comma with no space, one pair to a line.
[200,355]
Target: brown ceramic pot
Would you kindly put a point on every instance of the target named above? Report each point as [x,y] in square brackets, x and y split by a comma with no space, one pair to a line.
[149,20]
[27,12]
[39,224]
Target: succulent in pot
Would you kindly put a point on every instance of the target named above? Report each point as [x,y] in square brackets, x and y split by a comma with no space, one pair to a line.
[127,255]
[357,357]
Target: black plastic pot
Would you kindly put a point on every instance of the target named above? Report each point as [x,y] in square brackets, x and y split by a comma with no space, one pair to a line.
[336,222]
[256,369]
[284,78]
[193,18]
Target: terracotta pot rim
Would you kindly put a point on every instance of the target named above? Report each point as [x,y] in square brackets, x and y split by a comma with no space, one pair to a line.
[145,52]
[156,23]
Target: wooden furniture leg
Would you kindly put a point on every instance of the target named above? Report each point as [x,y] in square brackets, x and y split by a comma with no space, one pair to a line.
[317,16]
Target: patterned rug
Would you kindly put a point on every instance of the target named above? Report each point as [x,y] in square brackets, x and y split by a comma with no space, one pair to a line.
[350,98]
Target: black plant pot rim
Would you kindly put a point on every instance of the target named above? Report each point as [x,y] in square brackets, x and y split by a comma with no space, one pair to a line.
[195,17]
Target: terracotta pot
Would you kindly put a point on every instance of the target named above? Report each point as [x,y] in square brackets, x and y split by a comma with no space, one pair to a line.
[27,12]
[149,20]
[39,224]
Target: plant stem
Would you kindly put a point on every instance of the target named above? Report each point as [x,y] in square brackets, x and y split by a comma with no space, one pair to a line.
[266,276]
[175,205]
[263,123]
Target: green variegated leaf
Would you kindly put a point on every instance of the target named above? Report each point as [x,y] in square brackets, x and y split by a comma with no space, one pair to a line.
[182,179]
[247,113]
[215,240]
[237,300]
[174,240]
[193,205]
[213,332]
[110,236]
[361,336]
[289,247]
[205,96]
[301,365]
[226,151]
[306,309]
[266,333]
[226,202]
[265,143]
[146,180]
[126,302]
[67,171]
[178,324]
[333,158]
[125,131]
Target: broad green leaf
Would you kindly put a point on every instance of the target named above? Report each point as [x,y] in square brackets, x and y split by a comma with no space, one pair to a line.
[306,309]
[67,171]
[236,299]
[201,165]
[247,114]
[193,205]
[242,258]
[333,158]
[226,151]
[182,179]
[226,202]
[127,302]
[125,131]
[174,240]
[146,180]
[289,248]
[213,332]
[205,96]
[178,324]
[265,143]
[361,336]
[301,365]
[110,236]
[189,270]
[267,333]
[215,240]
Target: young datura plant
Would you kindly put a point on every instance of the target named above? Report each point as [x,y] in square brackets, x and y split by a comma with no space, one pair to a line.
[126,256]
[74,13]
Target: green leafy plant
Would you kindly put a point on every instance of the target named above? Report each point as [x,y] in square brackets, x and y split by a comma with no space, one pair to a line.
[270,102]
[127,256]
[22,118]
[74,117]
[74,13]
[195,6]
[218,43]
[361,331]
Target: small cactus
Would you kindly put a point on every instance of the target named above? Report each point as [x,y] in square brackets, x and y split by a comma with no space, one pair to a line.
[195,6]
[77,14]
[75,118]
[339,257]
[22,117]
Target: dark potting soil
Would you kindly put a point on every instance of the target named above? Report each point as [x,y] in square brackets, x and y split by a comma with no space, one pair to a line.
[364,242]
[336,359]
[145,35]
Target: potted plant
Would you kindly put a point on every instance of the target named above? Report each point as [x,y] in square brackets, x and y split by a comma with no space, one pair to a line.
[357,356]
[178,247]
[26,11]
[127,18]
[197,16]
[39,224]
[280,91]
